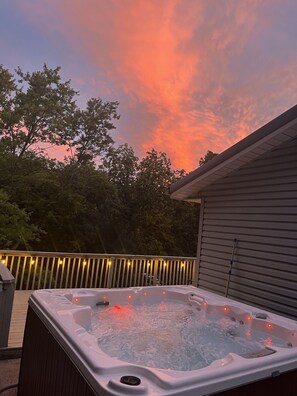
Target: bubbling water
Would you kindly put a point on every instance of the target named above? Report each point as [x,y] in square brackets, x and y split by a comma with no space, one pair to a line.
[171,335]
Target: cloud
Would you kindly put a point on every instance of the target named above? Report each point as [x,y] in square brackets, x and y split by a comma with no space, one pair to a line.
[191,75]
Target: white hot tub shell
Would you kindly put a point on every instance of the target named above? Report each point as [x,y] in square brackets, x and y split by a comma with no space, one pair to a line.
[61,356]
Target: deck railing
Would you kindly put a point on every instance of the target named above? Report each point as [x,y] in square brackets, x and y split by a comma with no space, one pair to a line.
[42,270]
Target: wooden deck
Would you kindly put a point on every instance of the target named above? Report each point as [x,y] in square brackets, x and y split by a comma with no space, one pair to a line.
[18,319]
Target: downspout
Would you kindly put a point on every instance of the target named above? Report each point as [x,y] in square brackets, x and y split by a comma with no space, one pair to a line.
[230,265]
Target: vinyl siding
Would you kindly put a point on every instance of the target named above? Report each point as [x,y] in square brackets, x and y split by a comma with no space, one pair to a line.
[257,205]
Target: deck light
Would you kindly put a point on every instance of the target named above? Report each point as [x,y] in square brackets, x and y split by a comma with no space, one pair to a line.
[60,262]
[84,263]
[129,296]
[76,300]
[109,262]
[249,317]
[269,325]
[163,292]
[226,309]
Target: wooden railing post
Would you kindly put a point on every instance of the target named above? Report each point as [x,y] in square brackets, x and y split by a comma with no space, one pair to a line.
[156,272]
[110,268]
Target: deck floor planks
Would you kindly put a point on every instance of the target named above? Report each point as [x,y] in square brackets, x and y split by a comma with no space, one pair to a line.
[18,318]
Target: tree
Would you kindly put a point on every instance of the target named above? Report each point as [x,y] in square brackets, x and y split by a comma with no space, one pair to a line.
[150,222]
[37,112]
[185,228]
[121,165]
[208,156]
[16,231]
[89,209]
[40,109]
[7,85]
[151,208]
[89,135]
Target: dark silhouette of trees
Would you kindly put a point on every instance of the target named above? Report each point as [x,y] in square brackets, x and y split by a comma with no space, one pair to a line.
[208,156]
[121,206]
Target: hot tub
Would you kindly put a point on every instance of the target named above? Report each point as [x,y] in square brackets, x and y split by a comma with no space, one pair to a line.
[104,342]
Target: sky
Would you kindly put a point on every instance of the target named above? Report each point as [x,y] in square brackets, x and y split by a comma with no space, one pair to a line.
[190,75]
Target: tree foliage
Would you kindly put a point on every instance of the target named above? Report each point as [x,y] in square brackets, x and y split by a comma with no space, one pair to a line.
[121,206]
[40,109]
[16,231]
[207,157]
[121,165]
[36,110]
[89,135]
[149,216]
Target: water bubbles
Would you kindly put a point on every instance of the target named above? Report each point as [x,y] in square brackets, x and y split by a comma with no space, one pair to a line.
[171,335]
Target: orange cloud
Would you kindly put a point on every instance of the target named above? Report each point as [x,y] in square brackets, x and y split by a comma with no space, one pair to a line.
[177,60]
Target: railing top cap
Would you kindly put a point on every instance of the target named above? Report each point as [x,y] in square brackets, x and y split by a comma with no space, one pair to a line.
[90,255]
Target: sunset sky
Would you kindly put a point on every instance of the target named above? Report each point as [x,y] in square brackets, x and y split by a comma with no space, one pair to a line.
[190,75]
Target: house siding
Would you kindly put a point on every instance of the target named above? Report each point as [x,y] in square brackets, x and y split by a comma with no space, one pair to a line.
[257,205]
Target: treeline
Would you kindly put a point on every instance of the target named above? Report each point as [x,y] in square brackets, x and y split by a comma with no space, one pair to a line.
[101,198]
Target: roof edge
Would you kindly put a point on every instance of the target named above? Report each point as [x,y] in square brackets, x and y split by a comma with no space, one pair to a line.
[249,140]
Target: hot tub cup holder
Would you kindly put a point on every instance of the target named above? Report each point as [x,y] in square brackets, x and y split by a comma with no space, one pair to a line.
[128,389]
[130,380]
[102,303]
[261,315]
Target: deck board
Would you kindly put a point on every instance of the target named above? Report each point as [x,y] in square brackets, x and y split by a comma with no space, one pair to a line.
[18,318]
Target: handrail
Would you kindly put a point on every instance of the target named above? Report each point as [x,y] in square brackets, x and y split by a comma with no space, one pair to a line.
[34,270]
